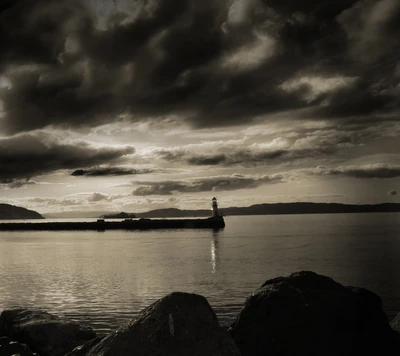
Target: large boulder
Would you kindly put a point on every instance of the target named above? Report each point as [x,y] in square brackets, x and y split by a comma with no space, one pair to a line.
[44,333]
[309,314]
[179,324]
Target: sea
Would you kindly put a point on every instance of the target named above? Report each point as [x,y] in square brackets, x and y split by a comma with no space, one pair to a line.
[104,279]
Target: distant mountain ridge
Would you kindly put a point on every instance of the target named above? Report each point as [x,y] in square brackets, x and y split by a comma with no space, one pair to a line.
[275,209]
[311,208]
[11,212]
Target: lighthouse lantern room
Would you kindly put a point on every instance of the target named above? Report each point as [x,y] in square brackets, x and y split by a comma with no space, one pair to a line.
[214,206]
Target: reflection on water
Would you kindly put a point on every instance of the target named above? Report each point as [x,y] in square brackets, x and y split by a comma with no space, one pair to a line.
[105,279]
[214,251]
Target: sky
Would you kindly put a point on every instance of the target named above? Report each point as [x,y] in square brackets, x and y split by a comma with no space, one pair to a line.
[133,105]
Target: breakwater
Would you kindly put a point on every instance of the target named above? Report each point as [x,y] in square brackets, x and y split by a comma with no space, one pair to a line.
[102,225]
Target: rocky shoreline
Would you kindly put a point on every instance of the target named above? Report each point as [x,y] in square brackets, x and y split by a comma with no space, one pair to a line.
[302,314]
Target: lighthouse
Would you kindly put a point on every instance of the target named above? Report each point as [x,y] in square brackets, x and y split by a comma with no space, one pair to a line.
[214,207]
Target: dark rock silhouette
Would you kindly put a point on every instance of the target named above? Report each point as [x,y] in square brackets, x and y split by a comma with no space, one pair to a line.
[309,314]
[82,350]
[12,348]
[44,333]
[179,324]
[395,323]
[10,212]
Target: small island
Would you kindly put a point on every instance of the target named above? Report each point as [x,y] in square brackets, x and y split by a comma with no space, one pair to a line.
[121,215]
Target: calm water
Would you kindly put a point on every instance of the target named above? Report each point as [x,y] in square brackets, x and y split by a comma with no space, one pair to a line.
[105,279]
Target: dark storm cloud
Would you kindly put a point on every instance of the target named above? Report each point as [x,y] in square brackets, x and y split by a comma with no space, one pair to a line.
[45,80]
[325,9]
[238,156]
[356,100]
[212,63]
[26,156]
[19,184]
[217,183]
[35,31]
[379,171]
[22,183]
[108,171]
[315,144]
[241,157]
[204,160]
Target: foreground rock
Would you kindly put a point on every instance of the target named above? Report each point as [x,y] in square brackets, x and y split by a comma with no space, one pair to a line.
[44,333]
[309,314]
[10,348]
[82,350]
[179,324]
[395,323]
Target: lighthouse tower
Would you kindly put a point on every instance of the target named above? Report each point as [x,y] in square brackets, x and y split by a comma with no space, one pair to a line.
[214,206]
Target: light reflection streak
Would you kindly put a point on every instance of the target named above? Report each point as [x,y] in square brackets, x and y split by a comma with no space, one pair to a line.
[214,251]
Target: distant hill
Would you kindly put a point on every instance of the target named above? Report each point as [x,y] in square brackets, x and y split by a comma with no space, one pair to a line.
[310,208]
[9,212]
[274,209]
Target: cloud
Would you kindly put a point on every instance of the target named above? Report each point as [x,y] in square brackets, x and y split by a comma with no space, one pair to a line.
[23,183]
[209,63]
[109,171]
[209,184]
[370,171]
[17,184]
[392,192]
[204,160]
[246,156]
[357,99]
[96,197]
[29,155]
[228,152]
[308,145]
[240,157]
[316,86]
[372,27]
